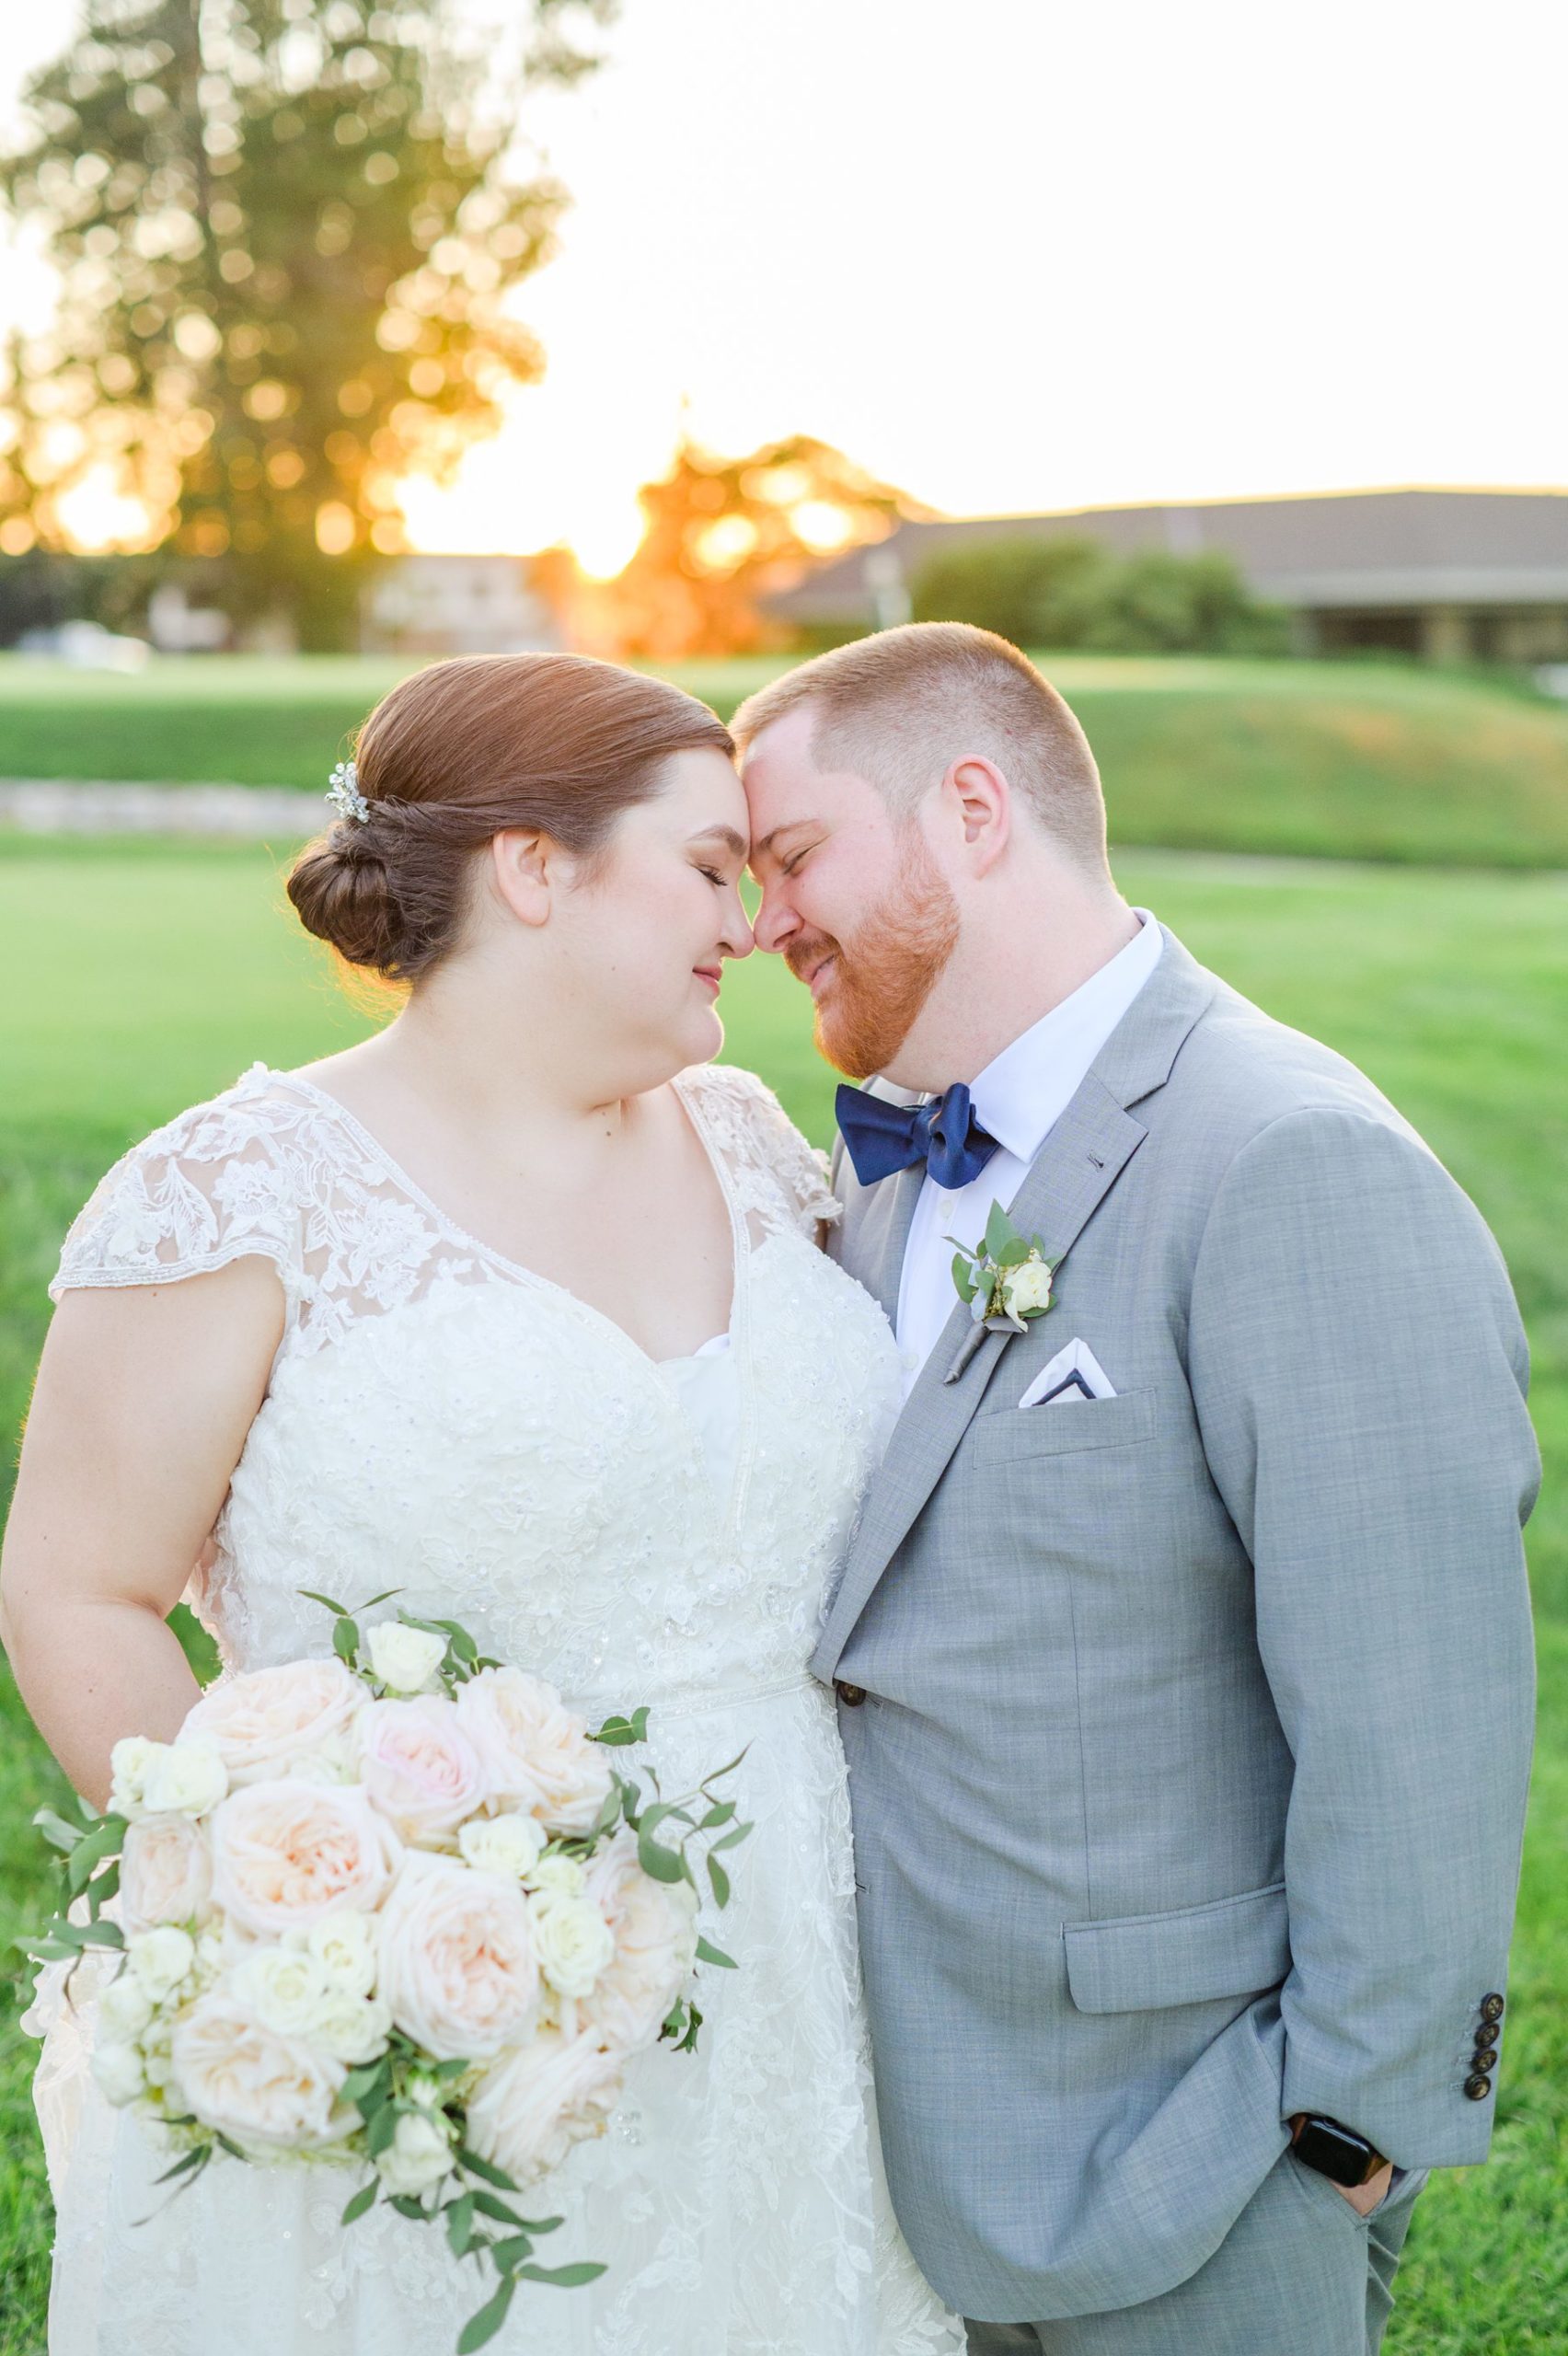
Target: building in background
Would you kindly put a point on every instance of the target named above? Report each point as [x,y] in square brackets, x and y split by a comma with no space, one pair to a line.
[1450,576]
[455,605]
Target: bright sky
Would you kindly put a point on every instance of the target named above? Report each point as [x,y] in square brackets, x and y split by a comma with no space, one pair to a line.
[1026,253]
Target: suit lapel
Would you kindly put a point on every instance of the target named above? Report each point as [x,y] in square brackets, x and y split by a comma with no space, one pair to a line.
[1077,1167]
[1084,1155]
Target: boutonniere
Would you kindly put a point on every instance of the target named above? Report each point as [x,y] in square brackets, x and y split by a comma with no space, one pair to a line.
[1007,1279]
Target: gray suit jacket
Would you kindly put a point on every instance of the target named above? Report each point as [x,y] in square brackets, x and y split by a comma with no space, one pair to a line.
[1188,1787]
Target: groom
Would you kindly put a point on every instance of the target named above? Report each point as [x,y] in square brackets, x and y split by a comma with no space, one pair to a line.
[1184,1652]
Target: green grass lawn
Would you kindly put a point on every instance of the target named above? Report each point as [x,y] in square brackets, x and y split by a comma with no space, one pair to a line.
[1346,760]
[135,982]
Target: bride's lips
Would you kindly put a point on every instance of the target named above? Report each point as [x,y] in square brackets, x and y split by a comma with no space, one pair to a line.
[712,976]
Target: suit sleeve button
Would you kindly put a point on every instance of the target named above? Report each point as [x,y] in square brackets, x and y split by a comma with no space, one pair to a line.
[1492,2007]
[1485,2058]
[1478,2087]
[851,1695]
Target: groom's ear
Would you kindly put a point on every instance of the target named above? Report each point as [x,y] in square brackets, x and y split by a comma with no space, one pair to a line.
[981,800]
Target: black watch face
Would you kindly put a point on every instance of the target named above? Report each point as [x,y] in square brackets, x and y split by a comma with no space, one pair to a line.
[1333,2152]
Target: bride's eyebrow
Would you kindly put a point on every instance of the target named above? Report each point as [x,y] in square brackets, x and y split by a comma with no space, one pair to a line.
[736,845]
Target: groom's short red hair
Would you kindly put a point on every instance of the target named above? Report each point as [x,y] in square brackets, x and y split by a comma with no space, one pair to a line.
[900,706]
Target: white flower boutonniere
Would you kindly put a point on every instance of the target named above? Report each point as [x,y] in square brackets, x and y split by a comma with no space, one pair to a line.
[1007,1279]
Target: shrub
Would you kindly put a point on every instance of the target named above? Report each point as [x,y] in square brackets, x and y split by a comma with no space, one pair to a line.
[1071,591]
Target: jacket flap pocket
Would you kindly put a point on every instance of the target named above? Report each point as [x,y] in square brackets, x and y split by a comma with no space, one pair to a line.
[1063,1425]
[1235,1947]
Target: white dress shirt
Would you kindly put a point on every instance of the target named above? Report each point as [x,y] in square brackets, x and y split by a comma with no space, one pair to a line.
[1020,1097]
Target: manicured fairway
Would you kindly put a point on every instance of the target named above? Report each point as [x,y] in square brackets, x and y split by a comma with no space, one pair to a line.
[134,981]
[1377,760]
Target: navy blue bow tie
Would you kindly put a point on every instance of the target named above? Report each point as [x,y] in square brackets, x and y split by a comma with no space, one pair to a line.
[881,1137]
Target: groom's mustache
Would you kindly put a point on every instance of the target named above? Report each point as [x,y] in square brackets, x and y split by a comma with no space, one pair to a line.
[806,951]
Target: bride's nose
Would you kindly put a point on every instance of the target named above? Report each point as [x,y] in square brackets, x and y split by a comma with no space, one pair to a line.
[737,939]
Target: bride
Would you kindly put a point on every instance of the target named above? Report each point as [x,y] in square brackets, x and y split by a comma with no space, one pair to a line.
[517,1306]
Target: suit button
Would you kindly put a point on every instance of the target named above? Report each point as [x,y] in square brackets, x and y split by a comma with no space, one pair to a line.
[1491,2008]
[1478,2087]
[851,1695]
[1485,2058]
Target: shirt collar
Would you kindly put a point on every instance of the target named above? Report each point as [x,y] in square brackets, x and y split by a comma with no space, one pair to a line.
[1022,1092]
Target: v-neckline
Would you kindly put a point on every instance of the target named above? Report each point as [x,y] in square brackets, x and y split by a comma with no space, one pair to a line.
[532,1278]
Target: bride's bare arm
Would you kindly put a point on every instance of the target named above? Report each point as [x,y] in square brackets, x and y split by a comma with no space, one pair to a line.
[144,1399]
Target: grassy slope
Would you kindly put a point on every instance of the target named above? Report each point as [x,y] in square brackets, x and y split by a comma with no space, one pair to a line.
[1379,761]
[135,985]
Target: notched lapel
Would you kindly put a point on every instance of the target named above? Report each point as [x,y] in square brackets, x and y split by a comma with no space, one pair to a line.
[1079,1163]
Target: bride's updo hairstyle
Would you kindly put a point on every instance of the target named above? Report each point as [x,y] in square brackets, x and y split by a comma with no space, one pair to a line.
[461,753]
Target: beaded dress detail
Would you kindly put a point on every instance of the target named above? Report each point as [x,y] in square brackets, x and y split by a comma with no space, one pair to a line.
[441,1420]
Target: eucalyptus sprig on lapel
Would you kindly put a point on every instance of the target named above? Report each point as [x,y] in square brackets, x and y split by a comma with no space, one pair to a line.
[1006,1278]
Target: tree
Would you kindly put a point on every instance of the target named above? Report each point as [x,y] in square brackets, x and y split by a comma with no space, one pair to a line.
[286,233]
[723,534]
[1069,592]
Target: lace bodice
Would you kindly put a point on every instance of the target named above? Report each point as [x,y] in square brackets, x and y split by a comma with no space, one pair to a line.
[444,1421]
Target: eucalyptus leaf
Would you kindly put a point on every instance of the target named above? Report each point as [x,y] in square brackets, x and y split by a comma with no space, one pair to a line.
[565,2278]
[345,1639]
[483,2327]
[363,2199]
[57,1833]
[720,1881]
[312,1595]
[999,1231]
[459,2214]
[485,2168]
[708,1953]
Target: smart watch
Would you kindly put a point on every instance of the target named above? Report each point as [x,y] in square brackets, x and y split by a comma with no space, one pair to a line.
[1336,2152]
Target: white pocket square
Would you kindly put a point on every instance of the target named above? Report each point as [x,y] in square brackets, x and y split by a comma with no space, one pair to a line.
[1073,1373]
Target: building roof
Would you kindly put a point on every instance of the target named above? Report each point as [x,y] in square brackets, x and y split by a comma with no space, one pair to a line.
[1367,548]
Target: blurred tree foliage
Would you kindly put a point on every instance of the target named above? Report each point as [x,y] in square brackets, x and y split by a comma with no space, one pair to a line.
[721,534]
[285,233]
[1071,591]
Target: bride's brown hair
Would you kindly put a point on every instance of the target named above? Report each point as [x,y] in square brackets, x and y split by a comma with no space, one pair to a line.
[458,754]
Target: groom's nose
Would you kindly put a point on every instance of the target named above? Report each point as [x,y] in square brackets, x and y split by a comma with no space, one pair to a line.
[775,920]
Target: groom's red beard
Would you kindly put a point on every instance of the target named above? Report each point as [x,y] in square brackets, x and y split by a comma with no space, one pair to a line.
[883,978]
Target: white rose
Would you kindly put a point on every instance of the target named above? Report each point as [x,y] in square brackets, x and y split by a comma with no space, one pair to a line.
[562,1876]
[536,1752]
[655,1928]
[118,2071]
[571,1940]
[508,1846]
[334,1761]
[161,1959]
[166,1872]
[353,2028]
[405,1659]
[456,1958]
[1027,1287]
[253,2084]
[344,1946]
[419,2155]
[184,1778]
[124,2009]
[534,2103]
[129,1762]
[285,1987]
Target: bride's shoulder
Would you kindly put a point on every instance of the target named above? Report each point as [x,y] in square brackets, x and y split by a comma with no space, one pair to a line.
[751,1129]
[222,1179]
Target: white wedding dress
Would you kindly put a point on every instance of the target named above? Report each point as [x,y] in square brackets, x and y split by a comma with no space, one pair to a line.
[443,1421]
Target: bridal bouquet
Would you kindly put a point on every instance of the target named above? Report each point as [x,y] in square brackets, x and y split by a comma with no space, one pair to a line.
[394,1910]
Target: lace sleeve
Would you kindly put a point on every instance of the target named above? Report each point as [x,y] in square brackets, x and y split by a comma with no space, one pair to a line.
[209,1188]
[763,1144]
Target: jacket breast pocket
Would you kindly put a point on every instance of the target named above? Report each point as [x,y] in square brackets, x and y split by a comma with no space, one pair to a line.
[1062,1427]
[1132,1963]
